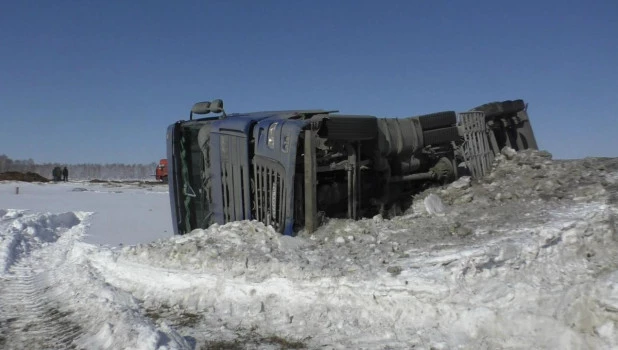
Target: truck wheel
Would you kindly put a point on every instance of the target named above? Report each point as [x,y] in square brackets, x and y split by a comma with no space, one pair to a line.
[495,109]
[441,136]
[401,137]
[164,179]
[437,120]
[351,128]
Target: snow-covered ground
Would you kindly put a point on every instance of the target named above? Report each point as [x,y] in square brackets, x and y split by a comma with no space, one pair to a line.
[525,259]
[120,213]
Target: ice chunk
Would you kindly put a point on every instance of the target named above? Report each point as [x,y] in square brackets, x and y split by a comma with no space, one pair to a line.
[434,205]
[509,153]
[463,182]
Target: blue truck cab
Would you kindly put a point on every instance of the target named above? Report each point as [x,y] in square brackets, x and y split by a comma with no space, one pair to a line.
[292,169]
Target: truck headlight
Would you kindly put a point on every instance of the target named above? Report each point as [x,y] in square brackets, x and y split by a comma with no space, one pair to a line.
[271,135]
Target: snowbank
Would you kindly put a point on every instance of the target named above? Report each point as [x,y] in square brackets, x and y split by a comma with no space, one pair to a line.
[525,258]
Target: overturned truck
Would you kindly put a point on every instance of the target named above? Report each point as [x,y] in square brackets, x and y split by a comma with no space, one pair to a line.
[291,169]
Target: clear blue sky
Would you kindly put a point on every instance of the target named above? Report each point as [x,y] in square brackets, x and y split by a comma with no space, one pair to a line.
[99,81]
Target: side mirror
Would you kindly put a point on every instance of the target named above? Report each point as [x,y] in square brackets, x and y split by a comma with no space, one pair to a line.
[201,108]
[216,106]
[206,107]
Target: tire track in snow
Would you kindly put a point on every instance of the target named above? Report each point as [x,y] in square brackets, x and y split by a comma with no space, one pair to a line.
[31,316]
[52,298]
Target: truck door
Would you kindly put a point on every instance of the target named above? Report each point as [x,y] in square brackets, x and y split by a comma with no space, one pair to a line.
[230,174]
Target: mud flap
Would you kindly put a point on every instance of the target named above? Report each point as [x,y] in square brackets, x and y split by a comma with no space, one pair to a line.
[476,151]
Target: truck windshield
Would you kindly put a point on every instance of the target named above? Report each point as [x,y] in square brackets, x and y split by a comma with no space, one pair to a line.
[194,177]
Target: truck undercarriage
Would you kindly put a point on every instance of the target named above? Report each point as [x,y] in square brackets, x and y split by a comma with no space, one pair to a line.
[292,169]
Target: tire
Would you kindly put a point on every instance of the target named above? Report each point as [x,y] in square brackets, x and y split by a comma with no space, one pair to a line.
[399,136]
[441,136]
[496,109]
[437,120]
[351,128]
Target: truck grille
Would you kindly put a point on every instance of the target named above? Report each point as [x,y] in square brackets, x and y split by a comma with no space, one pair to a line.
[270,188]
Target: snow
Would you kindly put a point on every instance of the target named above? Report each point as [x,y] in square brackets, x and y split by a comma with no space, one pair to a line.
[121,213]
[524,259]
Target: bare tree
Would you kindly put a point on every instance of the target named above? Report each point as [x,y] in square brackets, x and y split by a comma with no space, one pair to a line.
[114,171]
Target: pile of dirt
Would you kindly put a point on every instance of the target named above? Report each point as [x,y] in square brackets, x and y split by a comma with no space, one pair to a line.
[25,177]
[531,175]
[527,184]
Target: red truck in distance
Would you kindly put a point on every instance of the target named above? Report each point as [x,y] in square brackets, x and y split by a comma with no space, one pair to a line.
[161,171]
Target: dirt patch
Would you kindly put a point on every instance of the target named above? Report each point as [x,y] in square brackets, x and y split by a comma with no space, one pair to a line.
[26,177]
[254,340]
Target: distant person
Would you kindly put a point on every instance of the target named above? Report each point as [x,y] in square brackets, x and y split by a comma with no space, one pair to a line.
[65,174]
[57,173]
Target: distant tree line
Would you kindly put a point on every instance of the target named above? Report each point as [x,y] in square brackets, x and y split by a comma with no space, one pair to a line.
[113,171]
